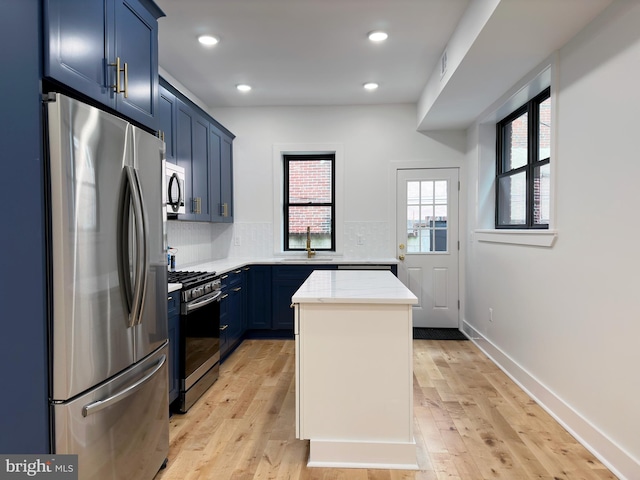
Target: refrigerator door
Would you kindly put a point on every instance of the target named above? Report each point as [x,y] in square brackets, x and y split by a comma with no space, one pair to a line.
[152,327]
[91,338]
[120,430]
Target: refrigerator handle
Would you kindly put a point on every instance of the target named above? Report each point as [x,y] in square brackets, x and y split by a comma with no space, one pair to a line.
[98,405]
[133,293]
[143,246]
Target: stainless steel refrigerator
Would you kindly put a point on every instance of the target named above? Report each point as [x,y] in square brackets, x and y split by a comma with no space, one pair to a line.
[108,293]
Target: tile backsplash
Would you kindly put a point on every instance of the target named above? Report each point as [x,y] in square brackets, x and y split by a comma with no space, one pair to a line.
[195,242]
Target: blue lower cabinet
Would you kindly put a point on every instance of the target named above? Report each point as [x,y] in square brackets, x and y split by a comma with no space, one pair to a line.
[232,311]
[173,311]
[259,298]
[286,280]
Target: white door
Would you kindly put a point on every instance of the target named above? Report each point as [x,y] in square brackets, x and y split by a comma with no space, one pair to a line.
[427,243]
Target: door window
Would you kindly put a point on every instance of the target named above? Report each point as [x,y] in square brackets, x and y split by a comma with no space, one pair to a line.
[427,215]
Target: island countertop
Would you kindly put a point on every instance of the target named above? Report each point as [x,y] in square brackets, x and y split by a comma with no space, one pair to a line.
[353,286]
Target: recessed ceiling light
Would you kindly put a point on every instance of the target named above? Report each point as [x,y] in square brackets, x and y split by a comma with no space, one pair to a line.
[378,36]
[208,40]
[370,86]
[243,87]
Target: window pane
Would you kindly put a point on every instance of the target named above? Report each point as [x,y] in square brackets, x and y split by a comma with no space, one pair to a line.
[427,213]
[541,195]
[319,221]
[441,192]
[515,143]
[544,134]
[427,216]
[426,195]
[413,193]
[440,240]
[310,181]
[512,200]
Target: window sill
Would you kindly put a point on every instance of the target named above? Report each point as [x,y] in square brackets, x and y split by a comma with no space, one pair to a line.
[534,238]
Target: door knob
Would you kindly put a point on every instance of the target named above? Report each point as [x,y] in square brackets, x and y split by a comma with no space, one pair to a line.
[401,257]
[401,246]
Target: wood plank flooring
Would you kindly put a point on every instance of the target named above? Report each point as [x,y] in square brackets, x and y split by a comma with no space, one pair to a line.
[471,423]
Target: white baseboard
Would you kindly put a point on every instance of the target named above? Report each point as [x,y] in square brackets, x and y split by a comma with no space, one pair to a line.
[623,465]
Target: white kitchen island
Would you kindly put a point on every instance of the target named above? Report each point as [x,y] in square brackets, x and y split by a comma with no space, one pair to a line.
[354,369]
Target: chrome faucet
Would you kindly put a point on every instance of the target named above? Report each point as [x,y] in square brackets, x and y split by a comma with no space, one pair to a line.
[310,253]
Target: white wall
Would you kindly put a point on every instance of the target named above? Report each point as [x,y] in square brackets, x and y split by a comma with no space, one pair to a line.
[566,319]
[371,136]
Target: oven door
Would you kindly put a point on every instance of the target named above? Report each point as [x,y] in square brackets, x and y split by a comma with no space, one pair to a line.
[200,338]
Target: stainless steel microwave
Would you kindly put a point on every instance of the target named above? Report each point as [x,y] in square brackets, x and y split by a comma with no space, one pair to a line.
[175,192]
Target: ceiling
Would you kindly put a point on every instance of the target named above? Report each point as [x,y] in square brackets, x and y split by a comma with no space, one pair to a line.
[305,52]
[316,52]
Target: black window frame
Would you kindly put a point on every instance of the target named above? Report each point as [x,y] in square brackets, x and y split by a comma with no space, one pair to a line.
[287,159]
[531,108]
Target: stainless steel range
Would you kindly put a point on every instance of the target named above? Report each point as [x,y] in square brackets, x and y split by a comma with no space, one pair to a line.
[199,334]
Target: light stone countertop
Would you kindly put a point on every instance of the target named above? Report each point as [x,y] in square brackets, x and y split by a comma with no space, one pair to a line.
[173,287]
[228,264]
[353,286]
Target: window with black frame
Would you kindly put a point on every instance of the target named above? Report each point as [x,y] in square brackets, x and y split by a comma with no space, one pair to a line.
[309,201]
[523,171]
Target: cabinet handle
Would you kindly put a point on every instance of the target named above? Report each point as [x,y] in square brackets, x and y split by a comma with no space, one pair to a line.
[224,276]
[237,289]
[246,268]
[196,205]
[125,70]
[224,209]
[169,299]
[224,296]
[126,80]
[238,271]
[224,327]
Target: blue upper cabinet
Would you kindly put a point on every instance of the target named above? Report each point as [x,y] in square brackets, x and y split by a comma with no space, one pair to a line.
[106,50]
[226,176]
[204,148]
[221,180]
[167,108]
[192,149]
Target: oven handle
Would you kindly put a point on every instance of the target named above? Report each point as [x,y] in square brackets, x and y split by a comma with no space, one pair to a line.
[201,302]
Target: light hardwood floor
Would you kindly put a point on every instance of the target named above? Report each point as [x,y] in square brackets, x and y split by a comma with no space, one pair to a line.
[471,422]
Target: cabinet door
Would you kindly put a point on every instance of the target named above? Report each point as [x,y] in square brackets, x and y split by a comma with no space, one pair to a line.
[184,150]
[75,46]
[282,312]
[136,44]
[200,169]
[215,142]
[259,298]
[166,122]
[235,315]
[192,155]
[226,179]
[224,326]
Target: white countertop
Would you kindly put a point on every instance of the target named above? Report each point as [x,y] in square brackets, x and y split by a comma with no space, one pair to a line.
[353,286]
[228,264]
[173,287]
